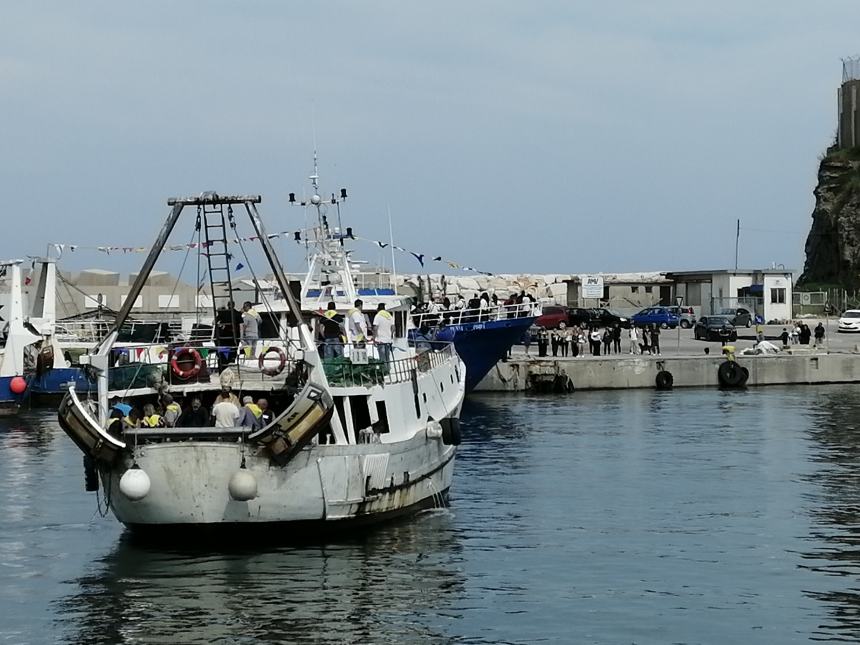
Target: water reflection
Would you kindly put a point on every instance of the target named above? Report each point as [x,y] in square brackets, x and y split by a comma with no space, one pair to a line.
[835,510]
[393,585]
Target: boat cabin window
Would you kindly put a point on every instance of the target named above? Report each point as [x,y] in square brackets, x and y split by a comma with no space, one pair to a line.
[381,426]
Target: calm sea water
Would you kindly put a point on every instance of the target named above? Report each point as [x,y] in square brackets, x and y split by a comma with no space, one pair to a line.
[693,516]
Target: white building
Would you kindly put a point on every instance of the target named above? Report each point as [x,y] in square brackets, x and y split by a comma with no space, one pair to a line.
[767,292]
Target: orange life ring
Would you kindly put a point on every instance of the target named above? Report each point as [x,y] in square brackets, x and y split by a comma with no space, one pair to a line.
[273,371]
[184,353]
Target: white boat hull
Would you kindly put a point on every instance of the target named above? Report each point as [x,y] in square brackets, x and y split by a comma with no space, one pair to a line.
[322,483]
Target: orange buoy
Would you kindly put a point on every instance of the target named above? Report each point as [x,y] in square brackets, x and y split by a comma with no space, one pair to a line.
[18,385]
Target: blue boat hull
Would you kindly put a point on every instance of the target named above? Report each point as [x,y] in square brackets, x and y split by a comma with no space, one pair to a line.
[10,402]
[483,344]
[55,382]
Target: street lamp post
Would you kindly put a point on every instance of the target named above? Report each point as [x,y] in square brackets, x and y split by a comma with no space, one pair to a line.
[679,300]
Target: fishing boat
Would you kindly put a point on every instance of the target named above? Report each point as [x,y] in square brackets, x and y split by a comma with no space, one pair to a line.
[20,343]
[482,337]
[353,439]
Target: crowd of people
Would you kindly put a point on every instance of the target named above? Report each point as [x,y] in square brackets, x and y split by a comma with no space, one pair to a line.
[335,329]
[801,334]
[572,341]
[226,412]
[475,309]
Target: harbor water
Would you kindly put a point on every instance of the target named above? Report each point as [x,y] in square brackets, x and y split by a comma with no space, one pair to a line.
[689,516]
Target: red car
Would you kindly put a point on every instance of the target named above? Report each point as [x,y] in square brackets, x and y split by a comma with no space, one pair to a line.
[551,317]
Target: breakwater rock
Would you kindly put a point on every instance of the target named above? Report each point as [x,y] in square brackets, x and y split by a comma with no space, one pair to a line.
[833,244]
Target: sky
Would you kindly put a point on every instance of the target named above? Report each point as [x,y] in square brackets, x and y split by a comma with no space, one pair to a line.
[543,137]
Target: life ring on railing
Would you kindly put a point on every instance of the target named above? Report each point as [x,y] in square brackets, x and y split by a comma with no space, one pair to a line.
[282,361]
[183,354]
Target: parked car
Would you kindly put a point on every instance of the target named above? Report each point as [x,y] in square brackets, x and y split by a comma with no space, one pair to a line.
[686,314]
[579,316]
[552,315]
[849,321]
[607,318]
[715,328]
[739,316]
[655,316]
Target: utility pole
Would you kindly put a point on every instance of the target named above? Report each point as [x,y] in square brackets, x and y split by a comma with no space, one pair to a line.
[737,240]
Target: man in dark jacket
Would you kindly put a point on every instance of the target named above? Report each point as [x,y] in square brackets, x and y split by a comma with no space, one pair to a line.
[195,416]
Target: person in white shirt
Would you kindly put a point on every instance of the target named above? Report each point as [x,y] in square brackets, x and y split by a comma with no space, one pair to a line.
[356,325]
[633,335]
[383,332]
[226,414]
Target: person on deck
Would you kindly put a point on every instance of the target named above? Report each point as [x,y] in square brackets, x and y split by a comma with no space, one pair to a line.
[266,415]
[227,395]
[150,418]
[819,335]
[249,415]
[383,332]
[634,339]
[195,416]
[172,411]
[331,330]
[226,414]
[250,326]
[356,325]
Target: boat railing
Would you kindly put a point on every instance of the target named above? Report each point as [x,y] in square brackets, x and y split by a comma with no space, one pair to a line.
[360,365]
[194,362]
[465,316]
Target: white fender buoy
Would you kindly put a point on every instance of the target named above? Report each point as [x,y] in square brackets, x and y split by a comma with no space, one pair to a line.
[434,430]
[242,486]
[135,484]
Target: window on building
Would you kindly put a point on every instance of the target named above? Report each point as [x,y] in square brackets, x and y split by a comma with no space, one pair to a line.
[93,301]
[605,292]
[168,302]
[204,301]
[777,296]
[649,289]
[138,302]
[634,289]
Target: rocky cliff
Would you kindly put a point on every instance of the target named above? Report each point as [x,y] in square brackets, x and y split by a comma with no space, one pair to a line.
[833,244]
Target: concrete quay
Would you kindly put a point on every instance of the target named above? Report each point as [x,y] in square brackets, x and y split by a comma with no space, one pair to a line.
[800,366]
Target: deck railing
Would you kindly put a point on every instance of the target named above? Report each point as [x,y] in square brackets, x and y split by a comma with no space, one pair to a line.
[463,316]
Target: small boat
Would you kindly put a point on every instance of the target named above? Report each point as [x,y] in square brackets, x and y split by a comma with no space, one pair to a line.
[350,440]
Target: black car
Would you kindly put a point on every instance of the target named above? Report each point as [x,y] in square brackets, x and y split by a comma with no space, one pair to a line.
[606,318]
[715,328]
[579,316]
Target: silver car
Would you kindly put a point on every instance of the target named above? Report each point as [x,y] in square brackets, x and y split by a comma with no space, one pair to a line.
[686,314]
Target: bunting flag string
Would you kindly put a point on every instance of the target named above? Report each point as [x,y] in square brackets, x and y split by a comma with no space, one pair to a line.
[298,236]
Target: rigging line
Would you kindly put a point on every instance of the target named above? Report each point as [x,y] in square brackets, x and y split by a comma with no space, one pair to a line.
[158,333]
[262,291]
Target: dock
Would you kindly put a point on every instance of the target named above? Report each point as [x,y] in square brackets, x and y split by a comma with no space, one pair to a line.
[801,366]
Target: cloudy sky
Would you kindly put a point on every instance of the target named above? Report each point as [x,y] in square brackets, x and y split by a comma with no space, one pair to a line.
[543,136]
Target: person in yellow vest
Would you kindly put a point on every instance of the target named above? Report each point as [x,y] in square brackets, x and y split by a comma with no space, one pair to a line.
[331,331]
[150,418]
[172,411]
[383,332]
[356,325]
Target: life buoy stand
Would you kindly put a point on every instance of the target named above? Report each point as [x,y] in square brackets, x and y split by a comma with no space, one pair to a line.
[282,361]
[184,354]
[664,380]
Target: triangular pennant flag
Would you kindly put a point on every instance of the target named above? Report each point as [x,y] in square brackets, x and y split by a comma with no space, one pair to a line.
[438,258]
[419,257]
[240,266]
[381,245]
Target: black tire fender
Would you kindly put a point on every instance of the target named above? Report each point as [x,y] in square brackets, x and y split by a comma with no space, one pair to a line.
[730,374]
[664,380]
